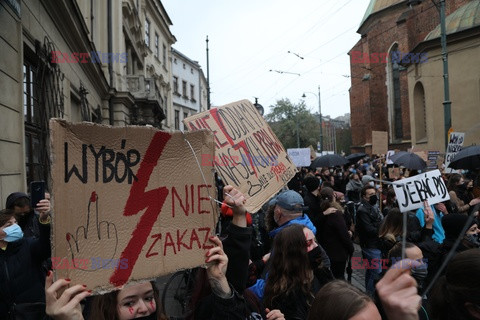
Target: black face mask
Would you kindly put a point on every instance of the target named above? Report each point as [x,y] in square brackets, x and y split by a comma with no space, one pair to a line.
[420,274]
[471,241]
[153,316]
[462,187]
[373,200]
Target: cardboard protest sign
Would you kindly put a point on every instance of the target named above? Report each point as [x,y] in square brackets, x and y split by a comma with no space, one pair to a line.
[130,203]
[455,144]
[300,156]
[379,142]
[248,155]
[411,192]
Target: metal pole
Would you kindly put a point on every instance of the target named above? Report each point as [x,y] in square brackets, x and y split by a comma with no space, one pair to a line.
[298,135]
[321,122]
[208,79]
[446,91]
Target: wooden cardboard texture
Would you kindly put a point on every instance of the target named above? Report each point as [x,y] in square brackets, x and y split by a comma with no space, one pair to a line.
[248,155]
[379,142]
[130,203]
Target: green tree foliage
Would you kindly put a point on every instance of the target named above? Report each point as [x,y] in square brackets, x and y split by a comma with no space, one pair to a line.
[283,120]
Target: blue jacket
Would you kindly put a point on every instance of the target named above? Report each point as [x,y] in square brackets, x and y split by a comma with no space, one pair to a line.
[304,220]
[438,232]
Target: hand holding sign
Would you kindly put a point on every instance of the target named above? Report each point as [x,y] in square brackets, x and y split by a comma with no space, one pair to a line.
[235,199]
[429,216]
[95,233]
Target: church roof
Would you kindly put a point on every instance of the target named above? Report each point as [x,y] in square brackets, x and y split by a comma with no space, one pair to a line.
[378,5]
[465,17]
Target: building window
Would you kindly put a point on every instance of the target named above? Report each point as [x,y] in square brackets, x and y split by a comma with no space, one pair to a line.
[396,101]
[164,55]
[175,85]
[34,126]
[420,110]
[157,49]
[147,33]
[177,120]
[192,92]
[185,115]
[184,89]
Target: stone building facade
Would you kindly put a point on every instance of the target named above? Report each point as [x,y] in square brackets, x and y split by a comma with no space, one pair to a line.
[189,88]
[379,94]
[105,61]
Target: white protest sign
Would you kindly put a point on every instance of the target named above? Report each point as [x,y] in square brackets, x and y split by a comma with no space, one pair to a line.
[390,153]
[454,145]
[300,156]
[411,192]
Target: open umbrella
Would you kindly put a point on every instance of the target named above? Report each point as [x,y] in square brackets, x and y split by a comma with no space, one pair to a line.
[467,158]
[329,160]
[408,160]
[354,157]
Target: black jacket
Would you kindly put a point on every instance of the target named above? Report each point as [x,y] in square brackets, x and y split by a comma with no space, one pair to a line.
[22,276]
[313,211]
[334,237]
[369,220]
[239,306]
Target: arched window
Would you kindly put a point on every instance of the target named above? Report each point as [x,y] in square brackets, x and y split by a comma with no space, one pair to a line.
[420,112]
[395,105]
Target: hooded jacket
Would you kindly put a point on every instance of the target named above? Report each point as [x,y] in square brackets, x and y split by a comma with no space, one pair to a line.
[22,276]
[303,220]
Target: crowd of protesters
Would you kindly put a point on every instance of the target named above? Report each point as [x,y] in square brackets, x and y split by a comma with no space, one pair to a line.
[287,261]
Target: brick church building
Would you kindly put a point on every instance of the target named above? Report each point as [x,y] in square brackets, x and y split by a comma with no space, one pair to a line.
[379,97]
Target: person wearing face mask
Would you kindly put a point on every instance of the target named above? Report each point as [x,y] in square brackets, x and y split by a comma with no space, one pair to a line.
[27,218]
[368,224]
[456,188]
[22,276]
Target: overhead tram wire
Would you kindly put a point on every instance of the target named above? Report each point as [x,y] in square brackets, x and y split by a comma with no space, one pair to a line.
[295,24]
[321,22]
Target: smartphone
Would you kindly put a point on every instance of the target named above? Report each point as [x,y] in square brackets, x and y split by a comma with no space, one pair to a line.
[37,192]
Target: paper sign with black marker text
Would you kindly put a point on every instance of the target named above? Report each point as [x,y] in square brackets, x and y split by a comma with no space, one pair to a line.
[300,156]
[411,192]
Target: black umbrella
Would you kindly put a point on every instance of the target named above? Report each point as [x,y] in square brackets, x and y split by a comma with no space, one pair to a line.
[408,160]
[354,157]
[329,160]
[467,158]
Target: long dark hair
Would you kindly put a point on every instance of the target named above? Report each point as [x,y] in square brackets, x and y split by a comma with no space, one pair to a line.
[338,300]
[392,225]
[457,287]
[452,181]
[104,307]
[327,199]
[290,269]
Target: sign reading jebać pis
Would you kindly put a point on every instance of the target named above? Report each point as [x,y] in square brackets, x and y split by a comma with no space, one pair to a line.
[411,192]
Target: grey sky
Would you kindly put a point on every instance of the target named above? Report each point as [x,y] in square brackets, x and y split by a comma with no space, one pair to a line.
[249,38]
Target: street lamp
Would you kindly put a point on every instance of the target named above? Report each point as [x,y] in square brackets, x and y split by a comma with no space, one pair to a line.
[447,104]
[259,107]
[320,114]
